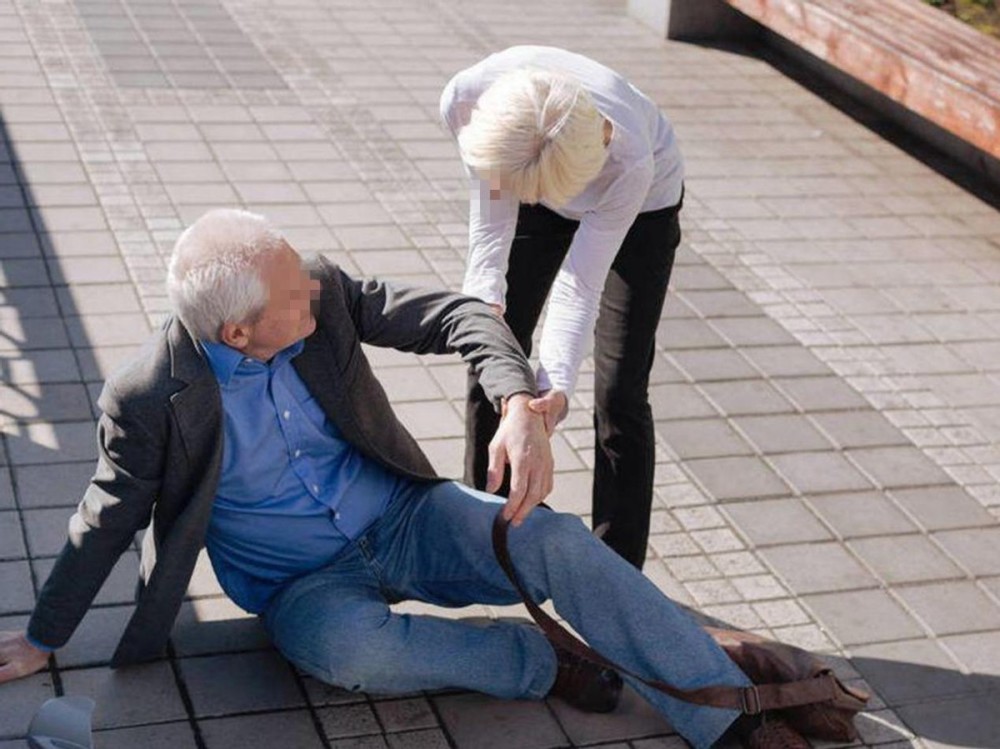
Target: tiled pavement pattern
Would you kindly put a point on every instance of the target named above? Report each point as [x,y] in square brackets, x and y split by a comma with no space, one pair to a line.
[827,388]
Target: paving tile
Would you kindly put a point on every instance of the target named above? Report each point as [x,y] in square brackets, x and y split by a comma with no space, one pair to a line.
[21,699]
[48,402]
[29,334]
[95,639]
[752,331]
[319,693]
[942,507]
[952,607]
[634,718]
[82,270]
[346,721]
[46,530]
[776,521]
[703,438]
[108,330]
[390,262]
[15,582]
[860,429]
[56,485]
[898,466]
[487,723]
[11,538]
[706,365]
[971,721]
[291,729]
[817,568]
[77,244]
[678,401]
[430,419]
[819,472]
[905,559]
[216,625]
[118,588]
[114,692]
[741,397]
[863,616]
[406,714]
[6,490]
[721,303]
[16,273]
[862,514]
[160,736]
[360,742]
[371,237]
[976,549]
[226,684]
[43,366]
[688,333]
[820,393]
[736,478]
[780,433]
[910,670]
[980,654]
[98,363]
[26,303]
[432,738]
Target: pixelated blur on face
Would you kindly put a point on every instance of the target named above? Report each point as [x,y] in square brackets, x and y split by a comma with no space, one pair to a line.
[499,183]
[292,295]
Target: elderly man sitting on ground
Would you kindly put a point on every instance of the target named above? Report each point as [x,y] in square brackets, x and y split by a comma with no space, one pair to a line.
[252,424]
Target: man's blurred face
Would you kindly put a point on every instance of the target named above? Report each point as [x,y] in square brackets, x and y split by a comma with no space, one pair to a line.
[288,316]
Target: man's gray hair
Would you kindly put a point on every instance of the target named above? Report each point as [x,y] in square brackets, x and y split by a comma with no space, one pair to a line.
[215,270]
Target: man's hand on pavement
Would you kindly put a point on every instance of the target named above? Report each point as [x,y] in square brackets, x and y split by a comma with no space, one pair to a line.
[521,441]
[18,657]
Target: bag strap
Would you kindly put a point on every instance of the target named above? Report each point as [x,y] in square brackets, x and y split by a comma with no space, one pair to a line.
[750,700]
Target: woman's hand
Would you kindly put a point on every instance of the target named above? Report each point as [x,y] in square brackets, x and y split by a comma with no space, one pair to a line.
[553,405]
[522,442]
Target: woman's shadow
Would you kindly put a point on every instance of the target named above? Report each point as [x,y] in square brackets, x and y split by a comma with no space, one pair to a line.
[942,706]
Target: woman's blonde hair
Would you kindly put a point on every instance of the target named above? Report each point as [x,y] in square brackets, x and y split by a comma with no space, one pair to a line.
[538,133]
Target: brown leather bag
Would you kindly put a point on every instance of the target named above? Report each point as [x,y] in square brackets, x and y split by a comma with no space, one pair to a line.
[787,679]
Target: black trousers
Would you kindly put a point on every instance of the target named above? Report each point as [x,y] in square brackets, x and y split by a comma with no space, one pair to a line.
[624,346]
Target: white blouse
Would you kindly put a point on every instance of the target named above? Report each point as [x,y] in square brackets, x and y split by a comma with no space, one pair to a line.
[643,172]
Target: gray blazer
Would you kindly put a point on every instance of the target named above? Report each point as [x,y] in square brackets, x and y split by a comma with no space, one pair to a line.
[160,440]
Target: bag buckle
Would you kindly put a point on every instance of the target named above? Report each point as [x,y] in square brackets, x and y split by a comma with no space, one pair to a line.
[750,700]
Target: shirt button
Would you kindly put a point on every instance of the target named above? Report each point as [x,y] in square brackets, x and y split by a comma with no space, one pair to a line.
[298,453]
[286,414]
[316,488]
[336,516]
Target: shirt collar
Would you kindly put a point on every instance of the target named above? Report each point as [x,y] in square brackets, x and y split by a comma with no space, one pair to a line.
[225,360]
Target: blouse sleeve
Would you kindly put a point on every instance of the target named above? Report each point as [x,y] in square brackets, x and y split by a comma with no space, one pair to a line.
[568,334]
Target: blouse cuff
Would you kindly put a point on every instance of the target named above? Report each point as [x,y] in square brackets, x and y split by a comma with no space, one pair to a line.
[487,287]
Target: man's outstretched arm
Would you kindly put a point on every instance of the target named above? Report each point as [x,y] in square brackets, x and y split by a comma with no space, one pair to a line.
[118,503]
[436,321]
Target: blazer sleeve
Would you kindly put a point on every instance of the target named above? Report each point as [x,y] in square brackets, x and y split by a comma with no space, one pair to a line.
[117,504]
[432,321]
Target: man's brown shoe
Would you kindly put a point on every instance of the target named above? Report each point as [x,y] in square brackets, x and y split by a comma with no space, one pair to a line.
[584,685]
[774,733]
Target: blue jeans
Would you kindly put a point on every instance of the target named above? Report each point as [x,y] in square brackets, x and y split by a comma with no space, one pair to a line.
[433,544]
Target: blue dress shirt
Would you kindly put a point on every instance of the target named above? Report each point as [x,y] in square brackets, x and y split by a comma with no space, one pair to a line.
[292,492]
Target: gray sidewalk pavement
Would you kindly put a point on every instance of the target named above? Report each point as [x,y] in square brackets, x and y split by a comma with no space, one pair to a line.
[827,381]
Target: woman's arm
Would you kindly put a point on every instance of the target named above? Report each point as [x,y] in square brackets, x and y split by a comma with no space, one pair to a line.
[567,336]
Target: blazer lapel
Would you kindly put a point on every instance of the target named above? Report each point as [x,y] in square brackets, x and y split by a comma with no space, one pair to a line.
[198,406]
[317,366]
